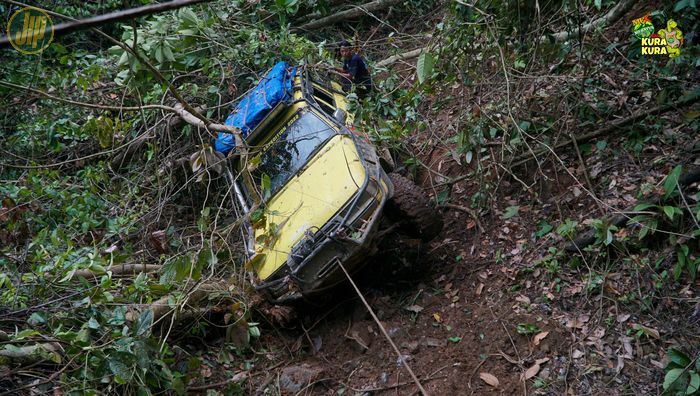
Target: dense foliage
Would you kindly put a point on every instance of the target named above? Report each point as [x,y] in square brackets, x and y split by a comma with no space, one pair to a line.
[108,229]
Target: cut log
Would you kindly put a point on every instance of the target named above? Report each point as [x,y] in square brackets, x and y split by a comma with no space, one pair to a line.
[355,12]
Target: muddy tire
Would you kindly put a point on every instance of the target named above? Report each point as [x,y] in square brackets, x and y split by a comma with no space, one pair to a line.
[412,207]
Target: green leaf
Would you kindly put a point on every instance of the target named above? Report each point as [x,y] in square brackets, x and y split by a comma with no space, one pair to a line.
[455,339]
[120,365]
[144,322]
[643,206]
[669,211]
[608,237]
[168,53]
[93,323]
[424,66]
[188,16]
[601,145]
[677,358]
[598,4]
[672,181]
[37,318]
[694,384]
[544,229]
[511,211]
[25,333]
[671,377]
[265,184]
[680,5]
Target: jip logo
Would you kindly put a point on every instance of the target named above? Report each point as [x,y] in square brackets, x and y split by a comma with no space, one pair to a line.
[30,30]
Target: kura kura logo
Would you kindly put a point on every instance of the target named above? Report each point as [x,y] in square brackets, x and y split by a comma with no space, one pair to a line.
[666,41]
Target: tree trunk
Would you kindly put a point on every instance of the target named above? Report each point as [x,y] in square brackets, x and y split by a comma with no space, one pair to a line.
[354,12]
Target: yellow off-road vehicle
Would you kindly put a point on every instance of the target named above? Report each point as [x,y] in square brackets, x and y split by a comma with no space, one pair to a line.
[315,194]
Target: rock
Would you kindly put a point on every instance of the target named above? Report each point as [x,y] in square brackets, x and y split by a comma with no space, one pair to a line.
[433,342]
[294,378]
[383,378]
[360,333]
[411,346]
[397,332]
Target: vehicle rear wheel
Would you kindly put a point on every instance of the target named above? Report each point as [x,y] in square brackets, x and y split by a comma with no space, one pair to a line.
[412,207]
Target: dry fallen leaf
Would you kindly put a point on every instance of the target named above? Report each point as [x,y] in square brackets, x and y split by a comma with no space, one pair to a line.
[414,308]
[577,354]
[489,379]
[539,337]
[531,372]
[479,289]
[622,318]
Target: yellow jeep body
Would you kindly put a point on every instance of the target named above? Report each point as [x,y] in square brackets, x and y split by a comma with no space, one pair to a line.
[322,211]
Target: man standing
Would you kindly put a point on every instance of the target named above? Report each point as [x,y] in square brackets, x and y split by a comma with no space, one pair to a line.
[354,70]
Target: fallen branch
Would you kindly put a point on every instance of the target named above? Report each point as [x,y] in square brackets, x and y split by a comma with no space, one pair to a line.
[238,377]
[613,126]
[400,57]
[383,330]
[89,23]
[611,16]
[619,220]
[118,270]
[179,109]
[164,306]
[465,210]
[348,14]
[186,107]
[30,354]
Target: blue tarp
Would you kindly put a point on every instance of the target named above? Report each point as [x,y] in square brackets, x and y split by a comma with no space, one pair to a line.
[275,87]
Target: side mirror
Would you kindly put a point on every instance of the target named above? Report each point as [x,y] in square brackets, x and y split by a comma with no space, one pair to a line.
[340,115]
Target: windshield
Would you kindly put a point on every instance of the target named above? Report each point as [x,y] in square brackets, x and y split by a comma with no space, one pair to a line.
[290,149]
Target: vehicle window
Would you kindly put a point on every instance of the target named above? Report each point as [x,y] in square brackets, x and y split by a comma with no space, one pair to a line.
[291,148]
[325,100]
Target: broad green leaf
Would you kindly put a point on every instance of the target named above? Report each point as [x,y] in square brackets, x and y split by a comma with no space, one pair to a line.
[188,16]
[669,211]
[511,211]
[168,53]
[678,358]
[93,323]
[680,5]
[37,318]
[694,384]
[671,377]
[25,333]
[120,364]
[672,181]
[144,322]
[424,66]
[608,237]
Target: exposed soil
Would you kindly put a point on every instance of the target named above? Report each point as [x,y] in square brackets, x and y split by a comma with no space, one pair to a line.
[475,311]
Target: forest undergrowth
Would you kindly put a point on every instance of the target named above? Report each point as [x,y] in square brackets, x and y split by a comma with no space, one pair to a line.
[564,162]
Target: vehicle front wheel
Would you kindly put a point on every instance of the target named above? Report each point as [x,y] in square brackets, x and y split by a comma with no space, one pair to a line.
[412,207]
